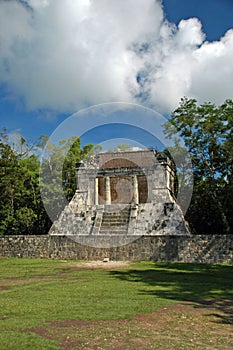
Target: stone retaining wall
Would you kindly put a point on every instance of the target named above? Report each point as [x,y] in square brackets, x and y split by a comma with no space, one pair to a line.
[200,248]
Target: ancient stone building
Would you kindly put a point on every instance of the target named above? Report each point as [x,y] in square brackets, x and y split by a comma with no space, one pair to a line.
[123,193]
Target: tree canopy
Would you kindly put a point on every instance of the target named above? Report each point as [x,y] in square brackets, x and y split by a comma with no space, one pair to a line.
[21,207]
[207,131]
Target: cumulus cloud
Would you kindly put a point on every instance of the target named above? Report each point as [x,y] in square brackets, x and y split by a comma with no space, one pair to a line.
[189,66]
[66,54]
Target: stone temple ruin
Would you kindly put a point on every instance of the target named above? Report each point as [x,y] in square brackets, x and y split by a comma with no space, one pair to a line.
[123,194]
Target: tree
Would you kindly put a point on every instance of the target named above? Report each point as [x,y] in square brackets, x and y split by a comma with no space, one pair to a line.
[19,191]
[207,133]
[21,206]
[74,155]
[58,172]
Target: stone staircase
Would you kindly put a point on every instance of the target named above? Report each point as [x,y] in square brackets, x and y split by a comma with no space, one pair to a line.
[115,221]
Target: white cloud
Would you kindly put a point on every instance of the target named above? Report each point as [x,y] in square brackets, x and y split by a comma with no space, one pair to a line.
[189,33]
[65,54]
[213,70]
[183,64]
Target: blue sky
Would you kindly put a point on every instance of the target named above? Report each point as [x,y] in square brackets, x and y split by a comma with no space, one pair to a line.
[215,15]
[57,57]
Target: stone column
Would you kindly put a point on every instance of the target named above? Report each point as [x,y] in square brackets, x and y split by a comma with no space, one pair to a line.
[135,190]
[96,191]
[107,190]
[168,176]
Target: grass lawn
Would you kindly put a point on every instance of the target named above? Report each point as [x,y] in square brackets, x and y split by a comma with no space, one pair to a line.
[51,304]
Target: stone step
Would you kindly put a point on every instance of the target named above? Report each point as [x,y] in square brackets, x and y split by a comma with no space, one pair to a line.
[117,215]
[118,222]
[115,222]
[113,232]
[115,219]
[116,207]
[117,228]
[115,225]
[118,212]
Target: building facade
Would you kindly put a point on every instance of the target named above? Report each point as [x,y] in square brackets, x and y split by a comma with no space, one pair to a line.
[123,194]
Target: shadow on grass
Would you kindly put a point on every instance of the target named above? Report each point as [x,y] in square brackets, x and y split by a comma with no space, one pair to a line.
[207,285]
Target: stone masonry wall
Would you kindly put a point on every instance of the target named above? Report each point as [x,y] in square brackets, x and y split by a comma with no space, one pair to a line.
[199,248]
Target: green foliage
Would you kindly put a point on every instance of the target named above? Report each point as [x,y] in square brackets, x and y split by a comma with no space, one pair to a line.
[74,155]
[19,191]
[207,133]
[58,172]
[21,207]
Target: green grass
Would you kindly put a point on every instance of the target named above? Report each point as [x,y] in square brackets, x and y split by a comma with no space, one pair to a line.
[28,341]
[38,291]
[180,281]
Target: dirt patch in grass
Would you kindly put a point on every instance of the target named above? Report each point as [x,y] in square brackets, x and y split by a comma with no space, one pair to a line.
[99,264]
[4,288]
[201,325]
[67,268]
